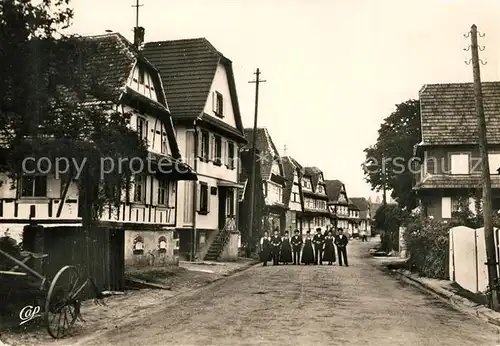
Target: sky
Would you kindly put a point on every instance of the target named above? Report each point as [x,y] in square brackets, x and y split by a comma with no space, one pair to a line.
[334,69]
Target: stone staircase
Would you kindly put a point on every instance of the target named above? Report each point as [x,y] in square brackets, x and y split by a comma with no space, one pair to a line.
[217,247]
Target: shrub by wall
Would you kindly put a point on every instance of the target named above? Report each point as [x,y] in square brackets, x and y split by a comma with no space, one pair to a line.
[427,244]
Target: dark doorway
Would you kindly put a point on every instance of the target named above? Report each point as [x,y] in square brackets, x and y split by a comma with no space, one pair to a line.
[185,243]
[222,207]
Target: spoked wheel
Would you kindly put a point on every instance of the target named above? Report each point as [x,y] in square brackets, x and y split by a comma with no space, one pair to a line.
[62,306]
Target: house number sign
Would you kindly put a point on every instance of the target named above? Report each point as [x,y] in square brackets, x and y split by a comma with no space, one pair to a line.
[29,313]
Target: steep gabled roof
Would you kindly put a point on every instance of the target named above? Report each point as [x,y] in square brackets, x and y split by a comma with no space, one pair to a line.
[108,59]
[112,59]
[245,173]
[333,188]
[314,173]
[448,113]
[290,167]
[361,202]
[267,150]
[363,205]
[353,205]
[188,68]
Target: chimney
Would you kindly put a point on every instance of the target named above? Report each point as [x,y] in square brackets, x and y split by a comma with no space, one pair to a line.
[138,36]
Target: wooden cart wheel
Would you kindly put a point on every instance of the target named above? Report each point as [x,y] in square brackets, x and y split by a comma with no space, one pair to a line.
[62,306]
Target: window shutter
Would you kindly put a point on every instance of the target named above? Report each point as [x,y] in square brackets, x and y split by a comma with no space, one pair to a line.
[198,195]
[188,155]
[214,101]
[156,191]
[223,152]
[200,142]
[221,106]
[212,147]
[208,199]
[171,194]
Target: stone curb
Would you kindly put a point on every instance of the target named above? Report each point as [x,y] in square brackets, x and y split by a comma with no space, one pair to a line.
[453,299]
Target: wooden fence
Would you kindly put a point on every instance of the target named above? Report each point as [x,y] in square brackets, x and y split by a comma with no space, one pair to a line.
[98,253]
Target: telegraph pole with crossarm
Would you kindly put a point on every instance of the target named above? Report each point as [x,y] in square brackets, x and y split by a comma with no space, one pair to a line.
[489,236]
[257,82]
[138,31]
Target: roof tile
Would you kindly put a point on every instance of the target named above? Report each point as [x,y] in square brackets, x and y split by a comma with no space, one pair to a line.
[448,113]
[187,68]
[333,188]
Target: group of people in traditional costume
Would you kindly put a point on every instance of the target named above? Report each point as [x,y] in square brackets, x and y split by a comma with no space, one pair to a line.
[309,250]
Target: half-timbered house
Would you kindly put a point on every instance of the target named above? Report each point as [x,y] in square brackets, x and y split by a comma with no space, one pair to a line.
[316,213]
[354,220]
[273,179]
[364,214]
[292,196]
[338,204]
[145,221]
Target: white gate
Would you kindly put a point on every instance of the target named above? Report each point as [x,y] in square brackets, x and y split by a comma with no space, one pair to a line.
[468,258]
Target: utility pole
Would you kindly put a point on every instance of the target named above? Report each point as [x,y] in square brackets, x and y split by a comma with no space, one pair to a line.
[285,148]
[257,82]
[137,5]
[483,149]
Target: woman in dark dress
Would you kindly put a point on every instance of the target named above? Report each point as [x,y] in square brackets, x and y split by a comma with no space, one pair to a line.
[286,249]
[265,249]
[308,252]
[329,249]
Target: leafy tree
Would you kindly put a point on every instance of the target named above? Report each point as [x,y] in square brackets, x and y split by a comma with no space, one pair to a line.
[389,218]
[48,80]
[392,154]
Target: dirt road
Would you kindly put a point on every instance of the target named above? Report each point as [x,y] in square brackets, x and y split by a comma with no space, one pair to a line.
[305,305]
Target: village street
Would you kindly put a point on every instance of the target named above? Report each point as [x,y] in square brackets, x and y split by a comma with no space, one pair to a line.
[306,305]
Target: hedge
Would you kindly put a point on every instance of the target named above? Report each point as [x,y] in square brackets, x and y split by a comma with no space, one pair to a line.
[427,245]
